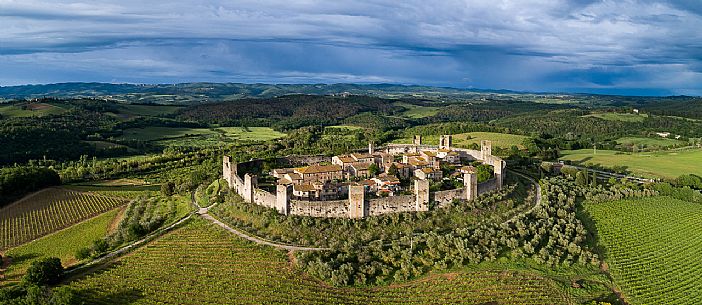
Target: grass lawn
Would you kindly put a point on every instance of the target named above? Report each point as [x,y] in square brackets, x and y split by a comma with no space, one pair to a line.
[625,117]
[415,111]
[31,109]
[653,248]
[665,164]
[62,244]
[465,140]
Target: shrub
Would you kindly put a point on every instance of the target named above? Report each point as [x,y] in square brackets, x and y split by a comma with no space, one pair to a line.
[46,271]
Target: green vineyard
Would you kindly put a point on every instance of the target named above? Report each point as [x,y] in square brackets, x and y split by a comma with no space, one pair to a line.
[49,211]
[653,248]
[203,264]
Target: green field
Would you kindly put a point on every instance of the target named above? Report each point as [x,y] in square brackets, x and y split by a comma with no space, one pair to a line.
[221,133]
[252,134]
[32,109]
[624,117]
[203,264]
[63,244]
[653,248]
[415,111]
[650,142]
[465,140]
[666,164]
[49,211]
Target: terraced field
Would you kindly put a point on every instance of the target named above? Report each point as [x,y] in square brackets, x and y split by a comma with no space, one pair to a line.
[203,264]
[49,211]
[653,248]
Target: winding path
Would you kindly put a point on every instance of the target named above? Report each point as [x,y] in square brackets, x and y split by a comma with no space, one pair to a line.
[203,212]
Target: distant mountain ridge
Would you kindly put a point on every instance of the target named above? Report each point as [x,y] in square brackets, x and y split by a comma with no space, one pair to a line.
[222,90]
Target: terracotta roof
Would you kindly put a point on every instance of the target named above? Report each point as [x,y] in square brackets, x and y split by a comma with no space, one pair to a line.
[367,182]
[303,188]
[315,169]
[284,181]
[283,170]
[346,159]
[294,176]
[429,153]
[400,165]
[417,162]
[428,170]
[361,166]
[361,156]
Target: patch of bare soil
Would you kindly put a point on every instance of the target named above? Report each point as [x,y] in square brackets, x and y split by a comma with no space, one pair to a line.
[115,221]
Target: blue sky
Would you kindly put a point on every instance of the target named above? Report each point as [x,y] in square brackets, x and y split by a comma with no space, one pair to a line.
[618,47]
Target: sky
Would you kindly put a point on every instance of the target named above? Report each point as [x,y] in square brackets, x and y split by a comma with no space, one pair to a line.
[611,47]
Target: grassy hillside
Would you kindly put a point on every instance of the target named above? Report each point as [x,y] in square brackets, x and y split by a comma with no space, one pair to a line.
[667,164]
[203,264]
[30,109]
[64,244]
[653,248]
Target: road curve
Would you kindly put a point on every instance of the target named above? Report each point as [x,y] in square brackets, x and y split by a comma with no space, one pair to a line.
[203,212]
[256,240]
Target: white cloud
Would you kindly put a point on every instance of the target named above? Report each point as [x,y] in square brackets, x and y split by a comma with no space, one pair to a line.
[438,42]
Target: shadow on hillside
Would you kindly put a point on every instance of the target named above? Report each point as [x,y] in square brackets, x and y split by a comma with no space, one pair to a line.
[593,238]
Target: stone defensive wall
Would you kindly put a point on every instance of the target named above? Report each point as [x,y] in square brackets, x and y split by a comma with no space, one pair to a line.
[245,184]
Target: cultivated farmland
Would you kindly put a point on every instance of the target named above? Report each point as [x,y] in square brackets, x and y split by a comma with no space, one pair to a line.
[203,264]
[653,248]
[665,164]
[64,244]
[48,211]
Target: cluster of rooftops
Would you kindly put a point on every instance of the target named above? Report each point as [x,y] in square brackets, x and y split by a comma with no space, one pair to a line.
[379,172]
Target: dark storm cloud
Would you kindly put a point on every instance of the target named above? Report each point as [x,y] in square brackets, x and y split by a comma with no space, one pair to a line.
[584,45]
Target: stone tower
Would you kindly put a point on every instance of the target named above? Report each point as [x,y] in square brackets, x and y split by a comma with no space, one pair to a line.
[421,190]
[485,149]
[357,201]
[282,199]
[229,170]
[417,140]
[371,148]
[498,167]
[470,181]
[250,182]
[445,142]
